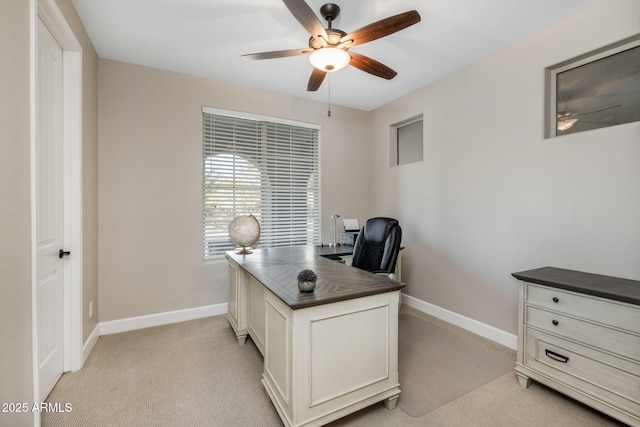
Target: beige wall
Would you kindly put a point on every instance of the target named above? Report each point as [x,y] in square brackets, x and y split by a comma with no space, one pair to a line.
[15,211]
[16,383]
[492,196]
[150,162]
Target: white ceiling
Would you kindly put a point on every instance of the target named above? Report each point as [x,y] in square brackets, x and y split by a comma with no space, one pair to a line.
[206,38]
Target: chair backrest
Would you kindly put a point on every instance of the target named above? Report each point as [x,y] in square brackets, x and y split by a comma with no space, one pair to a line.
[377,246]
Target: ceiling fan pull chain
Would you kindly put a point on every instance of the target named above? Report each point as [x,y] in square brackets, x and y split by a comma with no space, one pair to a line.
[329,107]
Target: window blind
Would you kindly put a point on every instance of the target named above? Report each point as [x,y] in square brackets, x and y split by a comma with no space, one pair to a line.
[264,167]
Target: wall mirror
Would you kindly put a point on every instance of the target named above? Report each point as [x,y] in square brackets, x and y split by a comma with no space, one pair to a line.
[599,89]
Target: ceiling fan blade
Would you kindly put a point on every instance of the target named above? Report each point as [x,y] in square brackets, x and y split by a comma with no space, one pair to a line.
[276,54]
[371,66]
[316,79]
[303,13]
[383,28]
[599,109]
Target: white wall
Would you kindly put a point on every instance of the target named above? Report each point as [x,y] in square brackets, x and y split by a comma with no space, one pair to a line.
[492,196]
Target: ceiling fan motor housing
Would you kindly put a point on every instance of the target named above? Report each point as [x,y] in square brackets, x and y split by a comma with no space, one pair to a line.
[329,11]
[334,35]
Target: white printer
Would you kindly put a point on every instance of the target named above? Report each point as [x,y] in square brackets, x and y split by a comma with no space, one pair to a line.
[351,230]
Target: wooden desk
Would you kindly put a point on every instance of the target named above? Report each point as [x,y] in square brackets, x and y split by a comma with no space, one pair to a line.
[327,353]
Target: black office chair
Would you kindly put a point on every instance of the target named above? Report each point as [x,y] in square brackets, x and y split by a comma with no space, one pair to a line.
[377,246]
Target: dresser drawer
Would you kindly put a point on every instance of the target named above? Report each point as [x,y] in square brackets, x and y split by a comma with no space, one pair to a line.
[612,379]
[608,339]
[618,314]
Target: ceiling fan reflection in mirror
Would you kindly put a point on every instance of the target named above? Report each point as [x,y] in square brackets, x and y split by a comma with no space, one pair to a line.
[566,119]
[329,47]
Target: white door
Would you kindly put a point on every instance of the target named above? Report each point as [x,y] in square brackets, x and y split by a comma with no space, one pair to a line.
[49,201]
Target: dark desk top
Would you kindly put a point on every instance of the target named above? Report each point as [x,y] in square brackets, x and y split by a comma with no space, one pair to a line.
[278,268]
[614,288]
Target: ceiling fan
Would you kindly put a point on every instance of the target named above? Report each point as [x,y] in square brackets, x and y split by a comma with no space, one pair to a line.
[329,47]
[566,119]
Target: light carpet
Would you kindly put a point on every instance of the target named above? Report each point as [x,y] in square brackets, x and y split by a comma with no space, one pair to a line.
[438,365]
[194,374]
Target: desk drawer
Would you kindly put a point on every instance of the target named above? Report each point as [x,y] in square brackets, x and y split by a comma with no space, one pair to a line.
[592,334]
[613,379]
[610,312]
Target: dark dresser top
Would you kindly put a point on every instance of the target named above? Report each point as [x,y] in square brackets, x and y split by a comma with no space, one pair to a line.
[278,268]
[613,288]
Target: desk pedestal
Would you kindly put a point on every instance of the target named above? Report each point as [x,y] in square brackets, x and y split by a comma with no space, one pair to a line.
[327,361]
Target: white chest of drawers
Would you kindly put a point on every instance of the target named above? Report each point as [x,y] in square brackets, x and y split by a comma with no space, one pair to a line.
[579,333]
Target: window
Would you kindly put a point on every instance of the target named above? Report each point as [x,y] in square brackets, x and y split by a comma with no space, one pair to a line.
[406,141]
[261,166]
[595,90]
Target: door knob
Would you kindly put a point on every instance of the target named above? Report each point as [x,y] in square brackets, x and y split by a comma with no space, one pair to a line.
[62,253]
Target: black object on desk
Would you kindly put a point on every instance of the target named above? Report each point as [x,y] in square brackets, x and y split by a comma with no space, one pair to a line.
[349,237]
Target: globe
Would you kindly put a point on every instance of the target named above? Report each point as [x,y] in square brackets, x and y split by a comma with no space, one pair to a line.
[244,231]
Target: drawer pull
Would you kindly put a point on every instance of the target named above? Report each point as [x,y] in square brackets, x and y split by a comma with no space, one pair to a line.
[556,300]
[555,322]
[555,356]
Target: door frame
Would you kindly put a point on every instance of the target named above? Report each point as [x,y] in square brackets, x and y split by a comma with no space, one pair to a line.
[52,17]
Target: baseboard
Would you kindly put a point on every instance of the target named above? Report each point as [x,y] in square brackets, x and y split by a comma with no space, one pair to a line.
[90,343]
[478,328]
[158,319]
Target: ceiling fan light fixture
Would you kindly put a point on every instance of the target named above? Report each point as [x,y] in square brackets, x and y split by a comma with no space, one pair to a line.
[329,59]
[564,124]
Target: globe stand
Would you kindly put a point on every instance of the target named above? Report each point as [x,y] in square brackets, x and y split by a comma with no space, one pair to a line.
[244,251]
